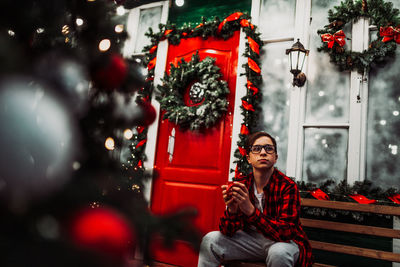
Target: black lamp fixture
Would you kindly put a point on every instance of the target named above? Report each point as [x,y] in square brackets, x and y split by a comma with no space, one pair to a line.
[297,55]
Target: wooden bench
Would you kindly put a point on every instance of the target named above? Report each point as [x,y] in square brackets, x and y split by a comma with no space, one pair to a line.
[347,228]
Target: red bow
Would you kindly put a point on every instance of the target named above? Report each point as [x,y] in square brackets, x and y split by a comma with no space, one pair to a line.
[251,87]
[319,194]
[390,33]
[152,63]
[242,151]
[246,23]
[339,37]
[232,17]
[247,106]
[244,130]
[395,198]
[253,45]
[141,143]
[253,65]
[140,129]
[362,199]
[153,49]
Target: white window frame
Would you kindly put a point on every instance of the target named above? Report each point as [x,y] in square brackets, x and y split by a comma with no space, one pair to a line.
[133,25]
[356,155]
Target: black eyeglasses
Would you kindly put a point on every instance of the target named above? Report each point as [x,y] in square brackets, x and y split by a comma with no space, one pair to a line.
[257,149]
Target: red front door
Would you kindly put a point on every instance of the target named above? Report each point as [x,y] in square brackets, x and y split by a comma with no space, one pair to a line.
[200,161]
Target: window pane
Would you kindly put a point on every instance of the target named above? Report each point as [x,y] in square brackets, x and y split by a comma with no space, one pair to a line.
[383,142]
[325,154]
[275,103]
[327,88]
[149,18]
[277,18]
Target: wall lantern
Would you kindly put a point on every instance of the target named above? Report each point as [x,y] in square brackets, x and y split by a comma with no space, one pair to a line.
[297,55]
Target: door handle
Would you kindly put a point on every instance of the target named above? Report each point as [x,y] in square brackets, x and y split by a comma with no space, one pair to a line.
[171,145]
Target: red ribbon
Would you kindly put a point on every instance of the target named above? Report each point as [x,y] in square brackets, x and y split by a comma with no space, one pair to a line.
[395,198]
[339,37]
[246,23]
[390,33]
[253,45]
[251,87]
[319,194]
[153,49]
[244,130]
[140,164]
[242,151]
[253,65]
[167,32]
[232,17]
[141,143]
[200,25]
[247,106]
[362,199]
[140,129]
[152,63]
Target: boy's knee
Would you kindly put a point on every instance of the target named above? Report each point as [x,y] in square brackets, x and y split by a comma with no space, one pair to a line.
[210,238]
[282,254]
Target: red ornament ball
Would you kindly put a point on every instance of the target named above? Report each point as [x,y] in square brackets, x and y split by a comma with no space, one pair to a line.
[148,114]
[112,74]
[103,230]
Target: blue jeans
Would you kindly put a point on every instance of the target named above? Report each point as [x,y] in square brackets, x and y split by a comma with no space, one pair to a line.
[246,245]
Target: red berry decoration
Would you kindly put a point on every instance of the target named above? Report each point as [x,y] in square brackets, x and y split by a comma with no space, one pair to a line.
[103,230]
[112,74]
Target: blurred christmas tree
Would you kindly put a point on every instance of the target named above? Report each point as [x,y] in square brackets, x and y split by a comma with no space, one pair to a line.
[66,198]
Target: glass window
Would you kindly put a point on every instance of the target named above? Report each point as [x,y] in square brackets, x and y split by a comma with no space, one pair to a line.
[383,125]
[277,18]
[276,91]
[327,88]
[149,18]
[325,154]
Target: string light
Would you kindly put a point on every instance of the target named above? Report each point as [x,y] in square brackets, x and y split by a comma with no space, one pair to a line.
[65,29]
[11,32]
[104,45]
[119,28]
[110,144]
[79,21]
[40,30]
[120,11]
[128,134]
[179,2]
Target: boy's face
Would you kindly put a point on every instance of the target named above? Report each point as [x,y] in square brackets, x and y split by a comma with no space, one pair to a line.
[262,153]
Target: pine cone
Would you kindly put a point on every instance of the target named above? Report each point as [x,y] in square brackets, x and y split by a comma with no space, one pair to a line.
[339,49]
[336,23]
[349,61]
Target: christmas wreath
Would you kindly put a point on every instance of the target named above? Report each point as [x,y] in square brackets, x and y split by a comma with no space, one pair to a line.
[381,14]
[207,93]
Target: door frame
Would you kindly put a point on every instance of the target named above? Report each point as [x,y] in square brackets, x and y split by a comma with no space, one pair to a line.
[152,134]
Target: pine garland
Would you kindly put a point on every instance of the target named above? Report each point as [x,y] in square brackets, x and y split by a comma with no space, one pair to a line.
[381,14]
[250,107]
[341,192]
[213,103]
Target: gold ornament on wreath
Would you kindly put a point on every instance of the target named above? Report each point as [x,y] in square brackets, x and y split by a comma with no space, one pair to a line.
[381,14]
[207,93]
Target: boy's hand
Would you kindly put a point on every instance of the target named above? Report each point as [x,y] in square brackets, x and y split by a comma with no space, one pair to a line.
[240,194]
[228,199]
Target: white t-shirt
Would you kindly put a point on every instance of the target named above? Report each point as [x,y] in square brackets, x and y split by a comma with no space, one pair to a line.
[260,198]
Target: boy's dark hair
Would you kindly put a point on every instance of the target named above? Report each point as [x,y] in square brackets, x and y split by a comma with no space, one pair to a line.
[254,136]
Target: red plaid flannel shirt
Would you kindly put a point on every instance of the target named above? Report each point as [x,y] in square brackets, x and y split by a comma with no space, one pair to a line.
[280,219]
